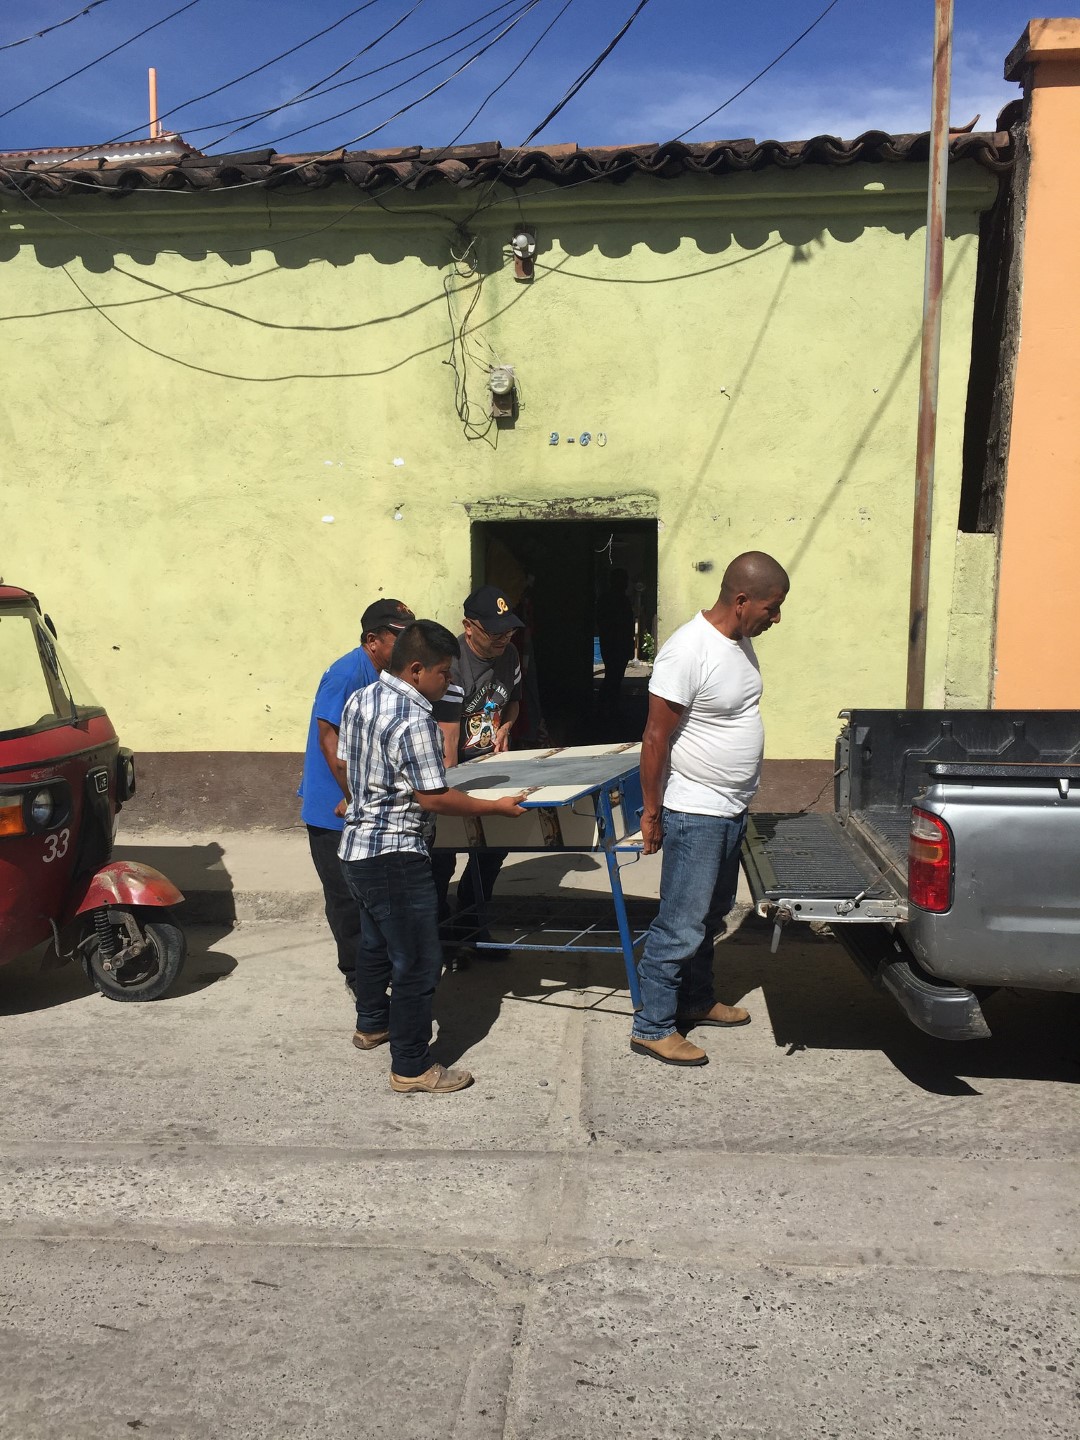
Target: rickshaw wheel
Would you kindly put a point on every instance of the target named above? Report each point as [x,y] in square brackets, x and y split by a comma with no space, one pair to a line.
[149,975]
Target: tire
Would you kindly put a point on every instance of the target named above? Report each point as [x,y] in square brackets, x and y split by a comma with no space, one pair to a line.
[149,977]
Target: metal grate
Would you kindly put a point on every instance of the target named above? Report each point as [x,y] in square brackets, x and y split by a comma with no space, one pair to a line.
[556,931]
[810,855]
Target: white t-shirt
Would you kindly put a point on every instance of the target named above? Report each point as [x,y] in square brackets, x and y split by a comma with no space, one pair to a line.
[718,743]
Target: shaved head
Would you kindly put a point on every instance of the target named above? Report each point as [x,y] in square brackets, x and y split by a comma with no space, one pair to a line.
[754,574]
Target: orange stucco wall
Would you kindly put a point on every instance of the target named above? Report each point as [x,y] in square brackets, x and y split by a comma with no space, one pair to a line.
[1038,622]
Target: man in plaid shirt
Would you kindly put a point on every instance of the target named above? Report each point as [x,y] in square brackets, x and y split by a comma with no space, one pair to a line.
[393,753]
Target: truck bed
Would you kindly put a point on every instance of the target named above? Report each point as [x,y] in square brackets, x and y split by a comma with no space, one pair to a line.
[889,831]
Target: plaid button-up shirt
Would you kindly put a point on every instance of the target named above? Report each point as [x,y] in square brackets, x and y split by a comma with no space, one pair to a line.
[392,747]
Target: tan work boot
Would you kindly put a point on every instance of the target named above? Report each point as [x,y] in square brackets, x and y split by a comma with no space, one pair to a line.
[671,1050]
[436,1081]
[370,1039]
[722,1015]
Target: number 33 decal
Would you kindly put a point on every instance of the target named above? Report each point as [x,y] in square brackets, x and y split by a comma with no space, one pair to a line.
[56,846]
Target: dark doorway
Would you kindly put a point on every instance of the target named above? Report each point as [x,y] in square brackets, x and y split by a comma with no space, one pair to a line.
[558,575]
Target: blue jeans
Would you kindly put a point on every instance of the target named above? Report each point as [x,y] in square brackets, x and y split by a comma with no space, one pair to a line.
[399,948]
[342,914]
[697,889]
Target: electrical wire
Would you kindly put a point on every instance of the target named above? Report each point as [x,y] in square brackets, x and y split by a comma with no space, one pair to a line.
[59,25]
[582,80]
[445,150]
[307,91]
[296,375]
[502,83]
[370,198]
[459,331]
[91,63]
[134,246]
[732,98]
[462,403]
[458,342]
[587,74]
[618,171]
[219,89]
[257,70]
[325,89]
[193,130]
[252,379]
[514,198]
[523,11]
[190,296]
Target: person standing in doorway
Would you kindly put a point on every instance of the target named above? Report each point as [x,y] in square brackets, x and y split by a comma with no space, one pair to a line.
[322,787]
[615,630]
[700,767]
[476,717]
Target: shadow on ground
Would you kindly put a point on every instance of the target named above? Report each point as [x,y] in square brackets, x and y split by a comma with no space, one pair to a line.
[814,997]
[30,984]
[195,869]
[822,1002]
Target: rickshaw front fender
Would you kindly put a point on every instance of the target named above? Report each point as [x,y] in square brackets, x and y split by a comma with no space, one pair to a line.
[127,882]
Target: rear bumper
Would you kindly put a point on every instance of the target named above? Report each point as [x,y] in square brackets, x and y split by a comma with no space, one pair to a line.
[946,1011]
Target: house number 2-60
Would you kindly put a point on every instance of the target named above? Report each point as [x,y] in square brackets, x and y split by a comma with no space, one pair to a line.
[56,846]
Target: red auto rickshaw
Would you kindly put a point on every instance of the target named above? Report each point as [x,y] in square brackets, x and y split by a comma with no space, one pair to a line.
[63,779]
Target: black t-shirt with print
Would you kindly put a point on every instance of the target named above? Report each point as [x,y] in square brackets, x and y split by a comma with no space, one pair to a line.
[478,693]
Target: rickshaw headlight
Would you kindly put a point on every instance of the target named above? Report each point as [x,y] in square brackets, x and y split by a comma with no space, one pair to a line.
[125,775]
[42,807]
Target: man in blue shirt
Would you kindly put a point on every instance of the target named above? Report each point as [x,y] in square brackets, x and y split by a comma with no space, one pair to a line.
[322,788]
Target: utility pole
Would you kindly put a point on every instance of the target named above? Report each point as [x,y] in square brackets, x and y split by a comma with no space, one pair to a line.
[929,359]
[155,123]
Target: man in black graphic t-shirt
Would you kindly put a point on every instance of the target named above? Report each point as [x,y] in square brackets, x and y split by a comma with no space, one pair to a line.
[476,716]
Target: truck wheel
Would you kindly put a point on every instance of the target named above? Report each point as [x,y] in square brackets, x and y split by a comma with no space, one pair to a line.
[147,976]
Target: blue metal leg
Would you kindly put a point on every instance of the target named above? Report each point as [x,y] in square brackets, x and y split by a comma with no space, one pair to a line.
[607,841]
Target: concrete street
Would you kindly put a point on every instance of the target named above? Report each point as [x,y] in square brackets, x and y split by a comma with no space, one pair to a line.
[217,1221]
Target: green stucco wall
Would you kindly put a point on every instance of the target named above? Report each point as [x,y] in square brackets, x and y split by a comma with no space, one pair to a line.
[970,648]
[748,346]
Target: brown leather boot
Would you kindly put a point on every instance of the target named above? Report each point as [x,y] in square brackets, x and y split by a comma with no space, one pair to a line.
[671,1050]
[722,1015]
[436,1081]
[368,1040]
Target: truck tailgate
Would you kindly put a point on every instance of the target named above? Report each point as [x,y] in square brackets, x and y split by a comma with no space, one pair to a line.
[813,867]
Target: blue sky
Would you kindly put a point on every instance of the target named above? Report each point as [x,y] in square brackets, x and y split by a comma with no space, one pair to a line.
[867,65]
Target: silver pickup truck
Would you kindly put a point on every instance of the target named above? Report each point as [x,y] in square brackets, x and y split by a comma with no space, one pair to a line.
[950,865]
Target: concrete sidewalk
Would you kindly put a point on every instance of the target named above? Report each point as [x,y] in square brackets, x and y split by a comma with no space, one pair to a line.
[268,874]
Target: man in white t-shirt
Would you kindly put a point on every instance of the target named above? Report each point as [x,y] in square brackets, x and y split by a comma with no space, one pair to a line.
[700,766]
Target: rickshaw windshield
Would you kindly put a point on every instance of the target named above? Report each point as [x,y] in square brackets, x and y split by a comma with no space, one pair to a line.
[38,690]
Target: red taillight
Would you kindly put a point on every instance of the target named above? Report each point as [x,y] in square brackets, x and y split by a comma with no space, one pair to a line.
[929,862]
